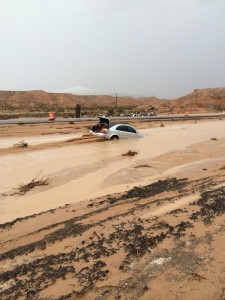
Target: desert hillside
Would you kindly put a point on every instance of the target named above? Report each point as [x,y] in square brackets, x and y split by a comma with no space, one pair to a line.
[31,99]
[199,100]
[202,99]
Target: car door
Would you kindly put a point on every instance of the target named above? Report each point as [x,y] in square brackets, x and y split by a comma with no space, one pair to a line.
[122,131]
[126,131]
[132,132]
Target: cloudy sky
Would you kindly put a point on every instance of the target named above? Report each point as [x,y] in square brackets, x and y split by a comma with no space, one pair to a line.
[164,48]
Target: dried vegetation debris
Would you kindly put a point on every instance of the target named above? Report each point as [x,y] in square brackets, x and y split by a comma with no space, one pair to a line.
[21,144]
[142,166]
[156,188]
[38,180]
[130,153]
[212,204]
[70,229]
[27,280]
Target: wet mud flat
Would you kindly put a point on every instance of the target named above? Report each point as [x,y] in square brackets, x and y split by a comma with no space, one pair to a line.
[111,248]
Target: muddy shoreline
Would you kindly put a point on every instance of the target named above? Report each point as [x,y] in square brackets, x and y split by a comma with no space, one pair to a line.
[92,241]
[163,239]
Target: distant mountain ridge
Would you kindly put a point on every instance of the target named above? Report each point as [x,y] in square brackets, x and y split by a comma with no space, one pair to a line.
[209,99]
[27,99]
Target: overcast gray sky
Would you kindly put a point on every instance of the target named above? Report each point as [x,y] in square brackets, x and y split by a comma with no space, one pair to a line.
[164,48]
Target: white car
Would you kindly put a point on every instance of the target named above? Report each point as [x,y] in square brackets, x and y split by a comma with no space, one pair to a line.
[110,131]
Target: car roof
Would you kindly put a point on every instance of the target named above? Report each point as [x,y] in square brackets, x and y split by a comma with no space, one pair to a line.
[117,124]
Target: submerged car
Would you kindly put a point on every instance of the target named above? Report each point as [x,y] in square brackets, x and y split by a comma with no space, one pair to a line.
[111,131]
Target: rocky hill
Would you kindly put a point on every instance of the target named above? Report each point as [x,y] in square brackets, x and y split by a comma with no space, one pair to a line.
[200,100]
[211,99]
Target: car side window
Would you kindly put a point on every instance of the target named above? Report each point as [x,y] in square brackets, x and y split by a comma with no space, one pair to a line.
[122,128]
[130,129]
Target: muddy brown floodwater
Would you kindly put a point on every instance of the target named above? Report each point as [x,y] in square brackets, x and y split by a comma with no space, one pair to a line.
[109,226]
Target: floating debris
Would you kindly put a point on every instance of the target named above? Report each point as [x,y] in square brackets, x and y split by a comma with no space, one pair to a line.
[21,144]
[130,153]
[38,180]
